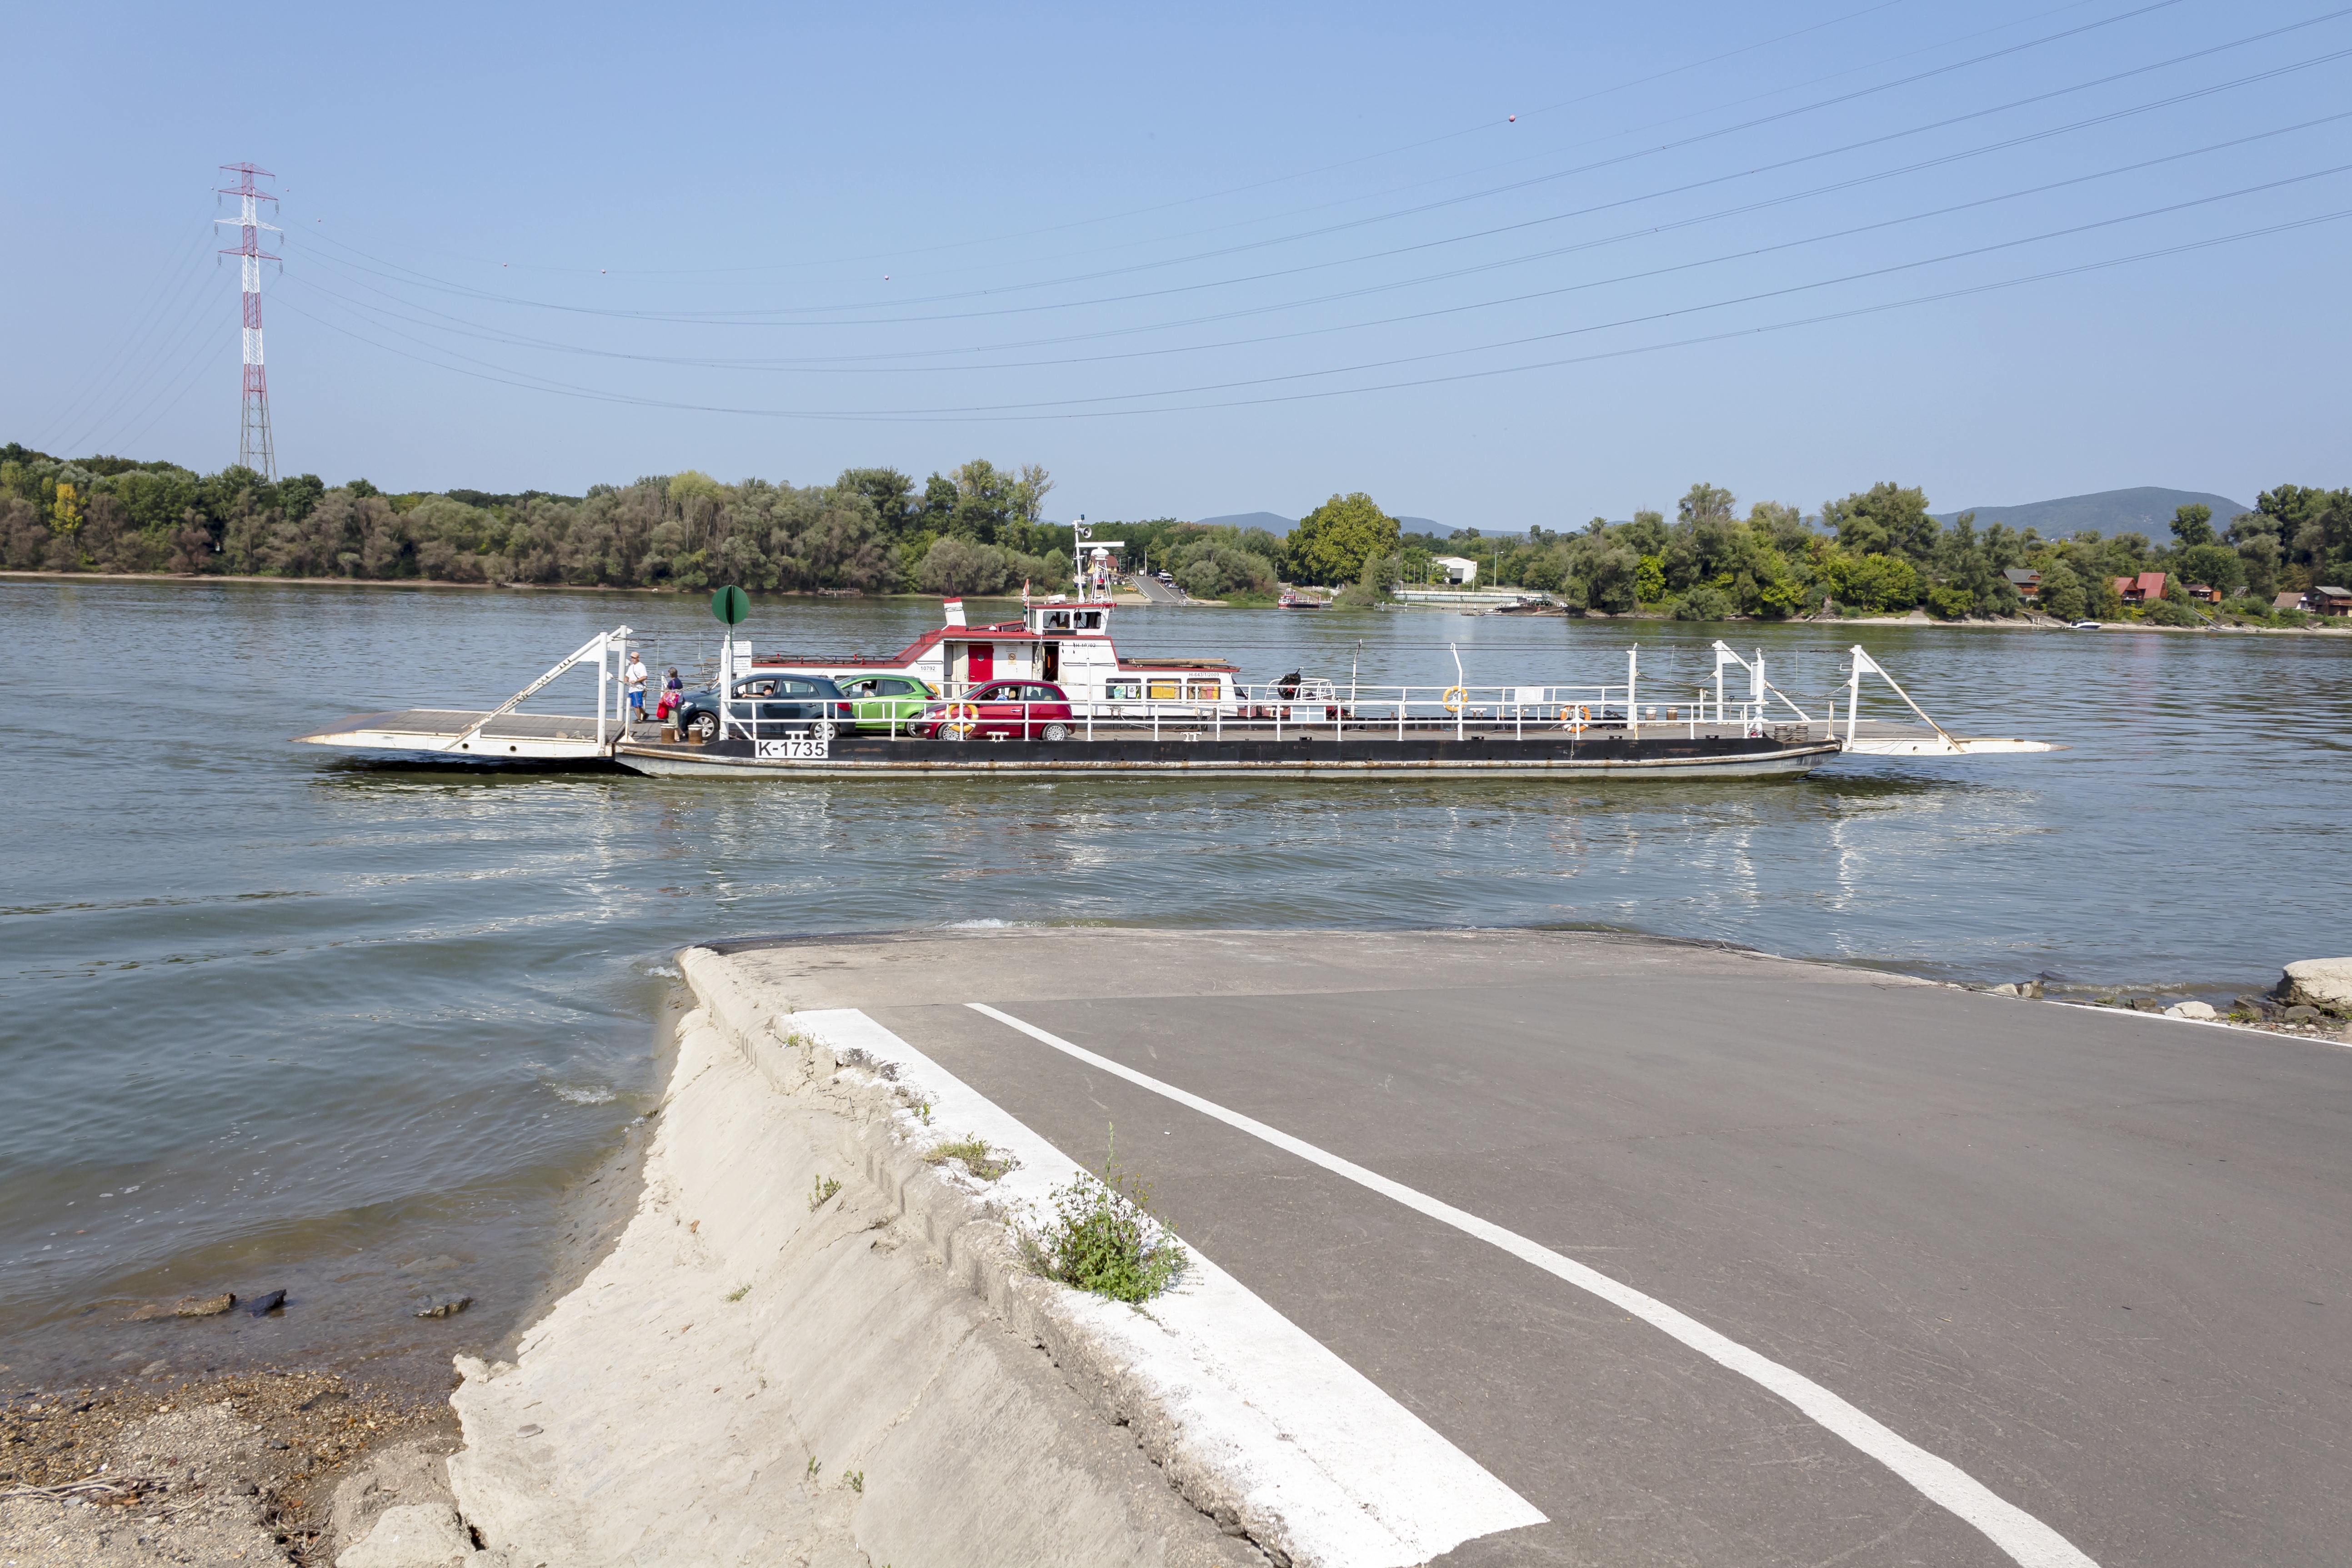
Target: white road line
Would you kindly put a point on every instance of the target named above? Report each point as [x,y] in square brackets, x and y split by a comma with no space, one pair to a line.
[1317,1457]
[2025,1538]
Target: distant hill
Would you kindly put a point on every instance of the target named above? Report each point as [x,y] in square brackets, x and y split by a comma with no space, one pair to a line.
[1274,522]
[2147,508]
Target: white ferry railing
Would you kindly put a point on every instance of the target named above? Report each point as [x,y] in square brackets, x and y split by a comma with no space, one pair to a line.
[1281,710]
[603,645]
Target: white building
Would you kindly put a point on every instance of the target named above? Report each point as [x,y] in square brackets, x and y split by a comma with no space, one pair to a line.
[1459,570]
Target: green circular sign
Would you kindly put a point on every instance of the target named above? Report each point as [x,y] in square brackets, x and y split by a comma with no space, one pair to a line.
[731,605]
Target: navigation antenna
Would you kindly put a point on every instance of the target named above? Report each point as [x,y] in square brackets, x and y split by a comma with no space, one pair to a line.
[253,445]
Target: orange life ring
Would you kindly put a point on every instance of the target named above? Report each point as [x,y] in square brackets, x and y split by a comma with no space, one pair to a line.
[961,720]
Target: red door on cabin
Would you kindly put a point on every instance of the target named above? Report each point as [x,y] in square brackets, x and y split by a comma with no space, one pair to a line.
[979,662]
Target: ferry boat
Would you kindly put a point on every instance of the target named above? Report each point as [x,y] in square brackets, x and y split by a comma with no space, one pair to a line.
[1056,672]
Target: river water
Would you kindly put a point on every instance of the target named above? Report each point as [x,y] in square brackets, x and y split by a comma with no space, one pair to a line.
[276,1017]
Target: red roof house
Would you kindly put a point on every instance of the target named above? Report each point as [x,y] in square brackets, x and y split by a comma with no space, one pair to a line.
[2139,590]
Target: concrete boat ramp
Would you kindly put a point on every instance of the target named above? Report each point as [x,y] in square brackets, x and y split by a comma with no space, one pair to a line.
[1511,1247]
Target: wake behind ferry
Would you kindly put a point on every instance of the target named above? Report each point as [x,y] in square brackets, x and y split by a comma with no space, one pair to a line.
[1050,695]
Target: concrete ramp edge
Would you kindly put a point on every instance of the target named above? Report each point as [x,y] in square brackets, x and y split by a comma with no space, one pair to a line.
[759,1371]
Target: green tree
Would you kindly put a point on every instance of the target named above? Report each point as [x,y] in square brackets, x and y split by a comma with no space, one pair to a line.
[1780,526]
[959,565]
[2258,558]
[2193,523]
[1646,533]
[1884,520]
[1705,503]
[888,491]
[2063,592]
[1332,542]
[1949,604]
[65,511]
[1612,579]
[1215,569]
[1705,603]
[2214,565]
[1650,579]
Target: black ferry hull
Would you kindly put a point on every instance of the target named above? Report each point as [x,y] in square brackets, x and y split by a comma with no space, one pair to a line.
[1312,755]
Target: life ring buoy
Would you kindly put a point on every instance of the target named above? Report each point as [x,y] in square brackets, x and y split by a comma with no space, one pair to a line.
[1574,716]
[961,719]
[1454,699]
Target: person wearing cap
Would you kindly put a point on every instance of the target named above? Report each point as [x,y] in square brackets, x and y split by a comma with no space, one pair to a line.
[635,677]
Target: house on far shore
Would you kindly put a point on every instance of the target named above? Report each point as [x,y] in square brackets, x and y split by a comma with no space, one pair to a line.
[2027,583]
[1460,570]
[2331,601]
[2289,602]
[2139,590]
[2203,594]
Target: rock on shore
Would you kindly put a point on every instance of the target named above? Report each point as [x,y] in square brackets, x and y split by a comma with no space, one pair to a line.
[2323,983]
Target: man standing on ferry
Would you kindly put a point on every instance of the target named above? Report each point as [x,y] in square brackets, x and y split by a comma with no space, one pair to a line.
[635,677]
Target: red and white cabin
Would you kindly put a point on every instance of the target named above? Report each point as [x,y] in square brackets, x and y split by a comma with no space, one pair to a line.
[1066,643]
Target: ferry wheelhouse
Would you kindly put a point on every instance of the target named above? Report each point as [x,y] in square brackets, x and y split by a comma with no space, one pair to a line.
[1063,642]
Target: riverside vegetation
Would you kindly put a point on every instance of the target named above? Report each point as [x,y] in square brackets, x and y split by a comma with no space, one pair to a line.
[1104,1237]
[979,530]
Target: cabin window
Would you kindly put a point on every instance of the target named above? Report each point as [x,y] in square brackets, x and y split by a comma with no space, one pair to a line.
[1090,620]
[1167,689]
[1202,691]
[1122,690]
[1057,620]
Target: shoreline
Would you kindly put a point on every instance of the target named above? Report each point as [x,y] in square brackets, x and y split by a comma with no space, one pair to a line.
[1132,601]
[582,1228]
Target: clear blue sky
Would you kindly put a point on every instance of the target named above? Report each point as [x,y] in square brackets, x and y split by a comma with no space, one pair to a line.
[1183,259]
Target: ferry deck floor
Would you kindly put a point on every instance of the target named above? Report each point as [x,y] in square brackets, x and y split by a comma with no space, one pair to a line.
[2099,1263]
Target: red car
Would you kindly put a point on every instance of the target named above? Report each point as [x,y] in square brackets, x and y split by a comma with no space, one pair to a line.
[1002,710]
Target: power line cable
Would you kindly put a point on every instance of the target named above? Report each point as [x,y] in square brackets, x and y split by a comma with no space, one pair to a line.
[190,327]
[1083,407]
[1307,172]
[171,286]
[760,317]
[1946,159]
[1417,316]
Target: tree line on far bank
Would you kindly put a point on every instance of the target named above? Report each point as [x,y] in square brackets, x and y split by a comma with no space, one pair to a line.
[979,530]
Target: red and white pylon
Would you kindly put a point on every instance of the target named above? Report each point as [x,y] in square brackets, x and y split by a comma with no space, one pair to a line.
[253,445]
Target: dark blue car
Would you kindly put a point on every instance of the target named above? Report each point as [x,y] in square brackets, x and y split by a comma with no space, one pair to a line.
[768,707]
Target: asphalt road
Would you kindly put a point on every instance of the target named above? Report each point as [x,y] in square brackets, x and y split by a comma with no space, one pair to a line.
[2097,1262]
[1158,593]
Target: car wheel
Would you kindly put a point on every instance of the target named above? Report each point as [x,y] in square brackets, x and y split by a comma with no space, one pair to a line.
[705,726]
[824,729]
[1056,732]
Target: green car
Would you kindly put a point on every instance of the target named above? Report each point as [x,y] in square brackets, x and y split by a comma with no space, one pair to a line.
[882,701]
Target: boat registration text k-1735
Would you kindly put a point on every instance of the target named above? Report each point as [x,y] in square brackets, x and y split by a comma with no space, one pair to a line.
[799,748]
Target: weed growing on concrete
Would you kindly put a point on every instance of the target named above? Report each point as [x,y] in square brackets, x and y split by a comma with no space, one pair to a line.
[925,1112]
[738,1293]
[820,1189]
[815,1464]
[972,1150]
[856,1480]
[1104,1237]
